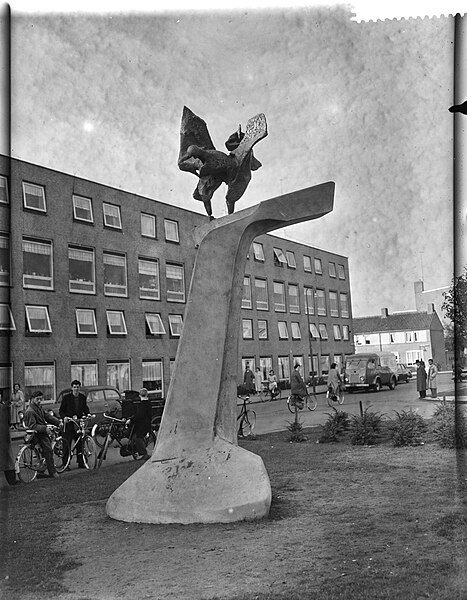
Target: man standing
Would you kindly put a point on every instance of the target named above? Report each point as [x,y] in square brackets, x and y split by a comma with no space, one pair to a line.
[36,418]
[432,379]
[249,379]
[74,406]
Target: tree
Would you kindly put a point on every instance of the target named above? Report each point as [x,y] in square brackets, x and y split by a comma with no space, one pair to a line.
[455,309]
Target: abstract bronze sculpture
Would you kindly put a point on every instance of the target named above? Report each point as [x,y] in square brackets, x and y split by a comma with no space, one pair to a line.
[213,167]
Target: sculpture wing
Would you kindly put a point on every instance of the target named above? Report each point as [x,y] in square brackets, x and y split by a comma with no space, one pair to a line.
[193,131]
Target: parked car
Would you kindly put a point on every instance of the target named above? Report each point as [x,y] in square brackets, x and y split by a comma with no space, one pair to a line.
[99,398]
[370,371]
[403,373]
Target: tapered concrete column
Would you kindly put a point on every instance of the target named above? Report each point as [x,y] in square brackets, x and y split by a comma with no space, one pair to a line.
[197,472]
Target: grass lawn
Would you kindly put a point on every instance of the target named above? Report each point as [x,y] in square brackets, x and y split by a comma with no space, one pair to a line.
[346,522]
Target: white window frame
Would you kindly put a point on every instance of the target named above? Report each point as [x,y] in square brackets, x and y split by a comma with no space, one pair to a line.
[175,296]
[84,200]
[121,325]
[262,304]
[295,330]
[82,372]
[341,271]
[154,323]
[307,263]
[413,355]
[148,225]
[332,270]
[115,289]
[4,185]
[258,252]
[314,331]
[45,309]
[33,188]
[290,256]
[6,318]
[308,294]
[121,384]
[283,367]
[157,390]
[408,337]
[345,333]
[318,266]
[247,329]
[321,306]
[40,282]
[176,325]
[171,230]
[107,209]
[81,286]
[48,388]
[246,298]
[323,331]
[294,308]
[279,258]
[86,312]
[261,329]
[5,269]
[146,293]
[344,304]
[337,332]
[282,330]
[333,303]
[279,306]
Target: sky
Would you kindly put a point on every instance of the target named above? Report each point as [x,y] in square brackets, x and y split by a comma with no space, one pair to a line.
[364,104]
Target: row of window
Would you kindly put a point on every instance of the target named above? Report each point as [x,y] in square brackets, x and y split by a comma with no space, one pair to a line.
[317,332]
[318,365]
[314,301]
[394,337]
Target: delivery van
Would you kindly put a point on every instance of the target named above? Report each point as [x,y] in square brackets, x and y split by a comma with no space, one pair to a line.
[370,371]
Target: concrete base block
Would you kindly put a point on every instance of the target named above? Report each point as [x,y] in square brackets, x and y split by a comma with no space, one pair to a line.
[220,484]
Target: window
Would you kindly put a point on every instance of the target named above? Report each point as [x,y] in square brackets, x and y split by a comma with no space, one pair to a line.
[38,319]
[258,251]
[37,264]
[116,322]
[337,332]
[345,333]
[332,269]
[115,280]
[175,283]
[246,298]
[176,325]
[7,322]
[409,336]
[321,302]
[307,263]
[283,367]
[4,260]
[154,323]
[296,333]
[247,325]
[153,379]
[341,271]
[39,377]
[82,209]
[262,329]
[283,333]
[318,266]
[261,289]
[3,190]
[309,301]
[314,331]
[279,258]
[344,305]
[298,360]
[34,197]
[148,225]
[6,376]
[148,271]
[279,296]
[412,356]
[294,302]
[323,332]
[112,216]
[324,362]
[81,266]
[250,361]
[333,304]
[265,364]
[84,372]
[86,321]
[291,259]
[171,231]
[118,375]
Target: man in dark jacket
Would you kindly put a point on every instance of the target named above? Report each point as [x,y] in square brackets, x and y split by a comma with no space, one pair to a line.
[36,418]
[297,387]
[74,406]
[142,423]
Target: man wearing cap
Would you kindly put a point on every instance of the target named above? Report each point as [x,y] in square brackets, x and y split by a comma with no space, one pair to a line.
[36,418]
[74,406]
[142,423]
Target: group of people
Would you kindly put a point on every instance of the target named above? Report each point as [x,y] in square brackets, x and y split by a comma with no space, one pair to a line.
[427,380]
[253,382]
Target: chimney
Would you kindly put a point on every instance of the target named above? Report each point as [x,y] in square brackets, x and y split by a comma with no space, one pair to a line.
[384,312]
[431,309]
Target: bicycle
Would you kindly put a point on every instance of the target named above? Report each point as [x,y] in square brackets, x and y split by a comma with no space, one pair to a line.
[335,398]
[117,431]
[308,401]
[267,395]
[30,459]
[88,445]
[247,418]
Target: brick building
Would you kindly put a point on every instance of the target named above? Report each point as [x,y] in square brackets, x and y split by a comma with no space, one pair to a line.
[94,282]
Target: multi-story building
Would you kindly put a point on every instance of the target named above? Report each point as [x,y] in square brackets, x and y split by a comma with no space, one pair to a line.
[94,282]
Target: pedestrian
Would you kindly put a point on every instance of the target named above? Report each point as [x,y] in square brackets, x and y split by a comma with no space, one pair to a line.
[249,380]
[334,381]
[17,406]
[272,383]
[141,421]
[297,387]
[258,380]
[37,419]
[74,406]
[7,461]
[432,378]
[421,378]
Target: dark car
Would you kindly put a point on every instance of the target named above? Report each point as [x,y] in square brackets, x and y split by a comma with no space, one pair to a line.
[403,373]
[99,398]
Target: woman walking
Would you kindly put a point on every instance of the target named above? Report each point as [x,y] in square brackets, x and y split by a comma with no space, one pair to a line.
[16,406]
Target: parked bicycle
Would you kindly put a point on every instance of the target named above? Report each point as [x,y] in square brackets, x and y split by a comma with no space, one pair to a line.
[120,431]
[88,445]
[309,401]
[336,397]
[246,418]
[30,459]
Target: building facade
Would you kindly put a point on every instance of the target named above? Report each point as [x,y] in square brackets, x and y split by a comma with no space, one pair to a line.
[94,281]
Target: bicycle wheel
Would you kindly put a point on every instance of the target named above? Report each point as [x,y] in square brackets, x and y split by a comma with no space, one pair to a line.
[28,463]
[332,399]
[103,451]
[290,406]
[311,402]
[248,422]
[100,433]
[60,451]
[89,452]
[340,396]
[276,394]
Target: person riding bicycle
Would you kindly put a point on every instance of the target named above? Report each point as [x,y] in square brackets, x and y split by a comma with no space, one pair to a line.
[36,418]
[334,381]
[74,406]
[297,387]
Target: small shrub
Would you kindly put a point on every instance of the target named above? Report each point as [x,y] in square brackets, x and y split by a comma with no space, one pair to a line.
[335,427]
[407,429]
[365,428]
[449,430]
[296,430]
